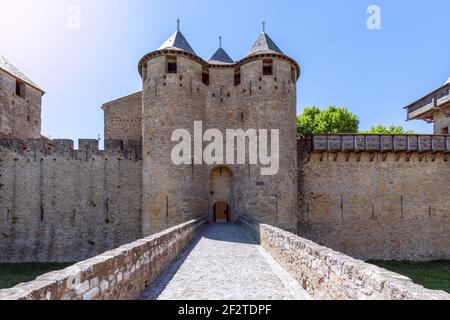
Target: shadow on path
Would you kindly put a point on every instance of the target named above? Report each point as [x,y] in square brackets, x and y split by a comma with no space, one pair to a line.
[224,263]
[227,232]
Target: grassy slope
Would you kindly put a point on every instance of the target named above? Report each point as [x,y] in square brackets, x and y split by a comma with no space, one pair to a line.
[432,275]
[12,274]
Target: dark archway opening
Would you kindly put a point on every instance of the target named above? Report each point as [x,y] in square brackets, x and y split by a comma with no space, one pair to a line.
[221,205]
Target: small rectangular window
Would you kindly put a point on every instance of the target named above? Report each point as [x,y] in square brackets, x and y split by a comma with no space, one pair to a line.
[171,65]
[205,77]
[144,73]
[293,75]
[267,67]
[237,78]
[445,131]
[20,89]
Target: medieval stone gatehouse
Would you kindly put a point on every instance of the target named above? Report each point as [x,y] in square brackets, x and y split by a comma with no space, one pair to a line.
[370,196]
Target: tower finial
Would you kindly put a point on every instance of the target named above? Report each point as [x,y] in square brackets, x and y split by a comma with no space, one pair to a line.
[178,24]
[264,26]
[220,42]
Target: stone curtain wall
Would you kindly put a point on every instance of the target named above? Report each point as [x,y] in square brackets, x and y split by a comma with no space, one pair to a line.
[376,197]
[58,204]
[122,273]
[329,275]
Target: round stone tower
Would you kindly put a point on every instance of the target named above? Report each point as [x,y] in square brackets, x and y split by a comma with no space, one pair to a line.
[268,92]
[173,98]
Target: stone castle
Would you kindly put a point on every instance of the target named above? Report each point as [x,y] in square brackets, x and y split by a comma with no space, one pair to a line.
[370,196]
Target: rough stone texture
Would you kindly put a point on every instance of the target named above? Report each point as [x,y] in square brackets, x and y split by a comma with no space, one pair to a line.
[62,205]
[224,264]
[119,274]
[376,205]
[442,120]
[19,117]
[172,193]
[327,274]
[123,118]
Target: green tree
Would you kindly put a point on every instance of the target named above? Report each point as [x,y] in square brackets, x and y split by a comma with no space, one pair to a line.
[380,129]
[330,121]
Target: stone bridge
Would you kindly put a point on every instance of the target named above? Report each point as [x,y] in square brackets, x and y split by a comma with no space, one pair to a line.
[248,261]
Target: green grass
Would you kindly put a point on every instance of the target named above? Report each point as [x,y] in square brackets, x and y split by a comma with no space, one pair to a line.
[12,274]
[432,275]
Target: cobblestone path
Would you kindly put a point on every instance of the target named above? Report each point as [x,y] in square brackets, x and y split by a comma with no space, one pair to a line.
[224,264]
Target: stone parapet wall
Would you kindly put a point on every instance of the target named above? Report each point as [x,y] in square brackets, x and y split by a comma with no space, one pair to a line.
[329,275]
[120,274]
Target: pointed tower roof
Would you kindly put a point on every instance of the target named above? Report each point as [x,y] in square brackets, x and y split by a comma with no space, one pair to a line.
[221,56]
[177,41]
[448,81]
[12,70]
[264,44]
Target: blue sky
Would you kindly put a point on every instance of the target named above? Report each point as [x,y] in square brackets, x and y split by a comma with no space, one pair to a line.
[372,73]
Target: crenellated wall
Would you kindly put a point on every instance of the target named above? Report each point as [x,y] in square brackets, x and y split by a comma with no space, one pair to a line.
[376,197]
[58,204]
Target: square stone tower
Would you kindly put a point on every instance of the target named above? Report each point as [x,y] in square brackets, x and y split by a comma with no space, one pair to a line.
[20,104]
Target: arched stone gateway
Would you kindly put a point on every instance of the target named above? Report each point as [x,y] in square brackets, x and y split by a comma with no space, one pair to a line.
[221,205]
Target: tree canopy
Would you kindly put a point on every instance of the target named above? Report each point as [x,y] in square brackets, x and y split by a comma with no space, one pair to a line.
[330,121]
[380,129]
[336,120]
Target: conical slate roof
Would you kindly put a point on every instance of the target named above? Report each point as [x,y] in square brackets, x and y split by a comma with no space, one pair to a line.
[264,44]
[8,67]
[177,41]
[220,57]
